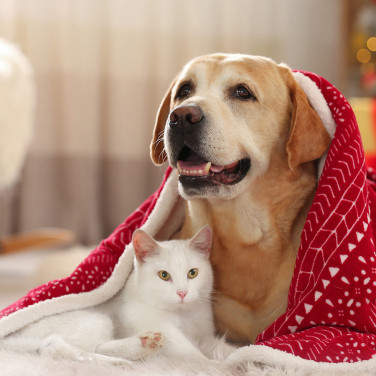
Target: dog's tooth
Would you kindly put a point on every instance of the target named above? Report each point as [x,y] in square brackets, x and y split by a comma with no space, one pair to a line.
[204,171]
[207,168]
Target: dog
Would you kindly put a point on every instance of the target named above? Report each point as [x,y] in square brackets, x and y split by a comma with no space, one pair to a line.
[245,142]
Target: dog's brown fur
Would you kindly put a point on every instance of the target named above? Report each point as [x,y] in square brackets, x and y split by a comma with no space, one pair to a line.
[256,227]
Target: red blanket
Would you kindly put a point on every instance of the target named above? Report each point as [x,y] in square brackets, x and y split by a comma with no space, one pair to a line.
[331,313]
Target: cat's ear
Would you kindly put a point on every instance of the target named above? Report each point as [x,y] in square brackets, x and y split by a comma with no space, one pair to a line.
[144,245]
[202,241]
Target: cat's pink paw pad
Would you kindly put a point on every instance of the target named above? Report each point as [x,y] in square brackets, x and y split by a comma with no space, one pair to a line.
[152,340]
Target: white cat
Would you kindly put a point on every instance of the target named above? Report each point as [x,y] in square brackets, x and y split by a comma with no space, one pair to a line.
[165,306]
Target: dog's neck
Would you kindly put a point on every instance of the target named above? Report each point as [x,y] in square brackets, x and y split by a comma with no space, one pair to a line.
[265,214]
[246,225]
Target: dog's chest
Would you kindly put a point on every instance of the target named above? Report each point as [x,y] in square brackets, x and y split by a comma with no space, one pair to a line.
[251,287]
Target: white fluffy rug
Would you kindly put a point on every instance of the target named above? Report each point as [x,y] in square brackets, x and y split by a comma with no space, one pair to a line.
[17,365]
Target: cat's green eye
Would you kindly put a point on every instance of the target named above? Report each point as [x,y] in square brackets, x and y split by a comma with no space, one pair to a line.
[164,275]
[193,273]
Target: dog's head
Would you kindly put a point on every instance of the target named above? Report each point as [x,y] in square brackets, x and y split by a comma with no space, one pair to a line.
[226,117]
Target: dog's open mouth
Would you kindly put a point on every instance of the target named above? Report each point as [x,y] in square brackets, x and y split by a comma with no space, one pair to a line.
[191,166]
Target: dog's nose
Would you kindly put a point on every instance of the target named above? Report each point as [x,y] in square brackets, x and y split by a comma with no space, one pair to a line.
[186,114]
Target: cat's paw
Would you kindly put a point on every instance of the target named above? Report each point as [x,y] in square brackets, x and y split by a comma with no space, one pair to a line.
[152,340]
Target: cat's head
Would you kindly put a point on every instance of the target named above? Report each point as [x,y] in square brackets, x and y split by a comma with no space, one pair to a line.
[175,273]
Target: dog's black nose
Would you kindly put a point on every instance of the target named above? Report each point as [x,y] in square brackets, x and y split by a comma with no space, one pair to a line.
[186,115]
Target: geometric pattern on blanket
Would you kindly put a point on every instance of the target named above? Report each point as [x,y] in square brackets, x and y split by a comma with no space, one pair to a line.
[331,313]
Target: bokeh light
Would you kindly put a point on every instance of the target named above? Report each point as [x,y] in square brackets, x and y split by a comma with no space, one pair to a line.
[371,44]
[363,55]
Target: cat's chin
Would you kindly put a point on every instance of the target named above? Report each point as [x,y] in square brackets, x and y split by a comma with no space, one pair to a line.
[182,305]
[188,304]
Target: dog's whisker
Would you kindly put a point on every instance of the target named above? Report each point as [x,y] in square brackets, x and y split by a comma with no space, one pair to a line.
[163,156]
[158,140]
[159,137]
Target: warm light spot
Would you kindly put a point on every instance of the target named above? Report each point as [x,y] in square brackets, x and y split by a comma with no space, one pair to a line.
[363,56]
[371,43]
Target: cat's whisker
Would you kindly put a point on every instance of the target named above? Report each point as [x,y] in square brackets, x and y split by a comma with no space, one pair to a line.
[206,300]
[215,296]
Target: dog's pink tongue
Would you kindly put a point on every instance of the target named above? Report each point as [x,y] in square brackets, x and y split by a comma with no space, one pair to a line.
[216,168]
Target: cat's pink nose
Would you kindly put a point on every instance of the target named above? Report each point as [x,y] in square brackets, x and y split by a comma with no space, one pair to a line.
[182,294]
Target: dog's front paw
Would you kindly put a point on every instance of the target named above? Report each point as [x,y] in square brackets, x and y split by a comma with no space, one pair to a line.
[151,340]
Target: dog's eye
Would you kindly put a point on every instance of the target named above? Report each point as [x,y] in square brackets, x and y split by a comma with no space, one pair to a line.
[184,91]
[242,92]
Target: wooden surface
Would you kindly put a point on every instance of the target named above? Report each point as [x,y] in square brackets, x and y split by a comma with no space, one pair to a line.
[43,238]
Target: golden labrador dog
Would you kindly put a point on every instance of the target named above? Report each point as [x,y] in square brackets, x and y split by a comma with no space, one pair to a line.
[245,141]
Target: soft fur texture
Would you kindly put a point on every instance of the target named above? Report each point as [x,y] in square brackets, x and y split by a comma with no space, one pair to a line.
[17,97]
[31,365]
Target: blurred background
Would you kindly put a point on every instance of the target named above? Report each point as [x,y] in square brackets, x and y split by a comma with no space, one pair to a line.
[101,68]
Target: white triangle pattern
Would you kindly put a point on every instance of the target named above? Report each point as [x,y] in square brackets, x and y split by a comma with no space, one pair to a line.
[292,329]
[308,307]
[317,295]
[333,271]
[365,226]
[351,246]
[360,236]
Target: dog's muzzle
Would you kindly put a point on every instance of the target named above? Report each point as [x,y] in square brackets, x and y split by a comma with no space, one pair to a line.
[186,131]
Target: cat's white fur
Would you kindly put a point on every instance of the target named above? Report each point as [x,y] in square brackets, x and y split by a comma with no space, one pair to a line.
[148,315]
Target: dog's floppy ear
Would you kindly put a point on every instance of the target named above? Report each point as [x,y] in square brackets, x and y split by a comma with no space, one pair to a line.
[157,151]
[308,139]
